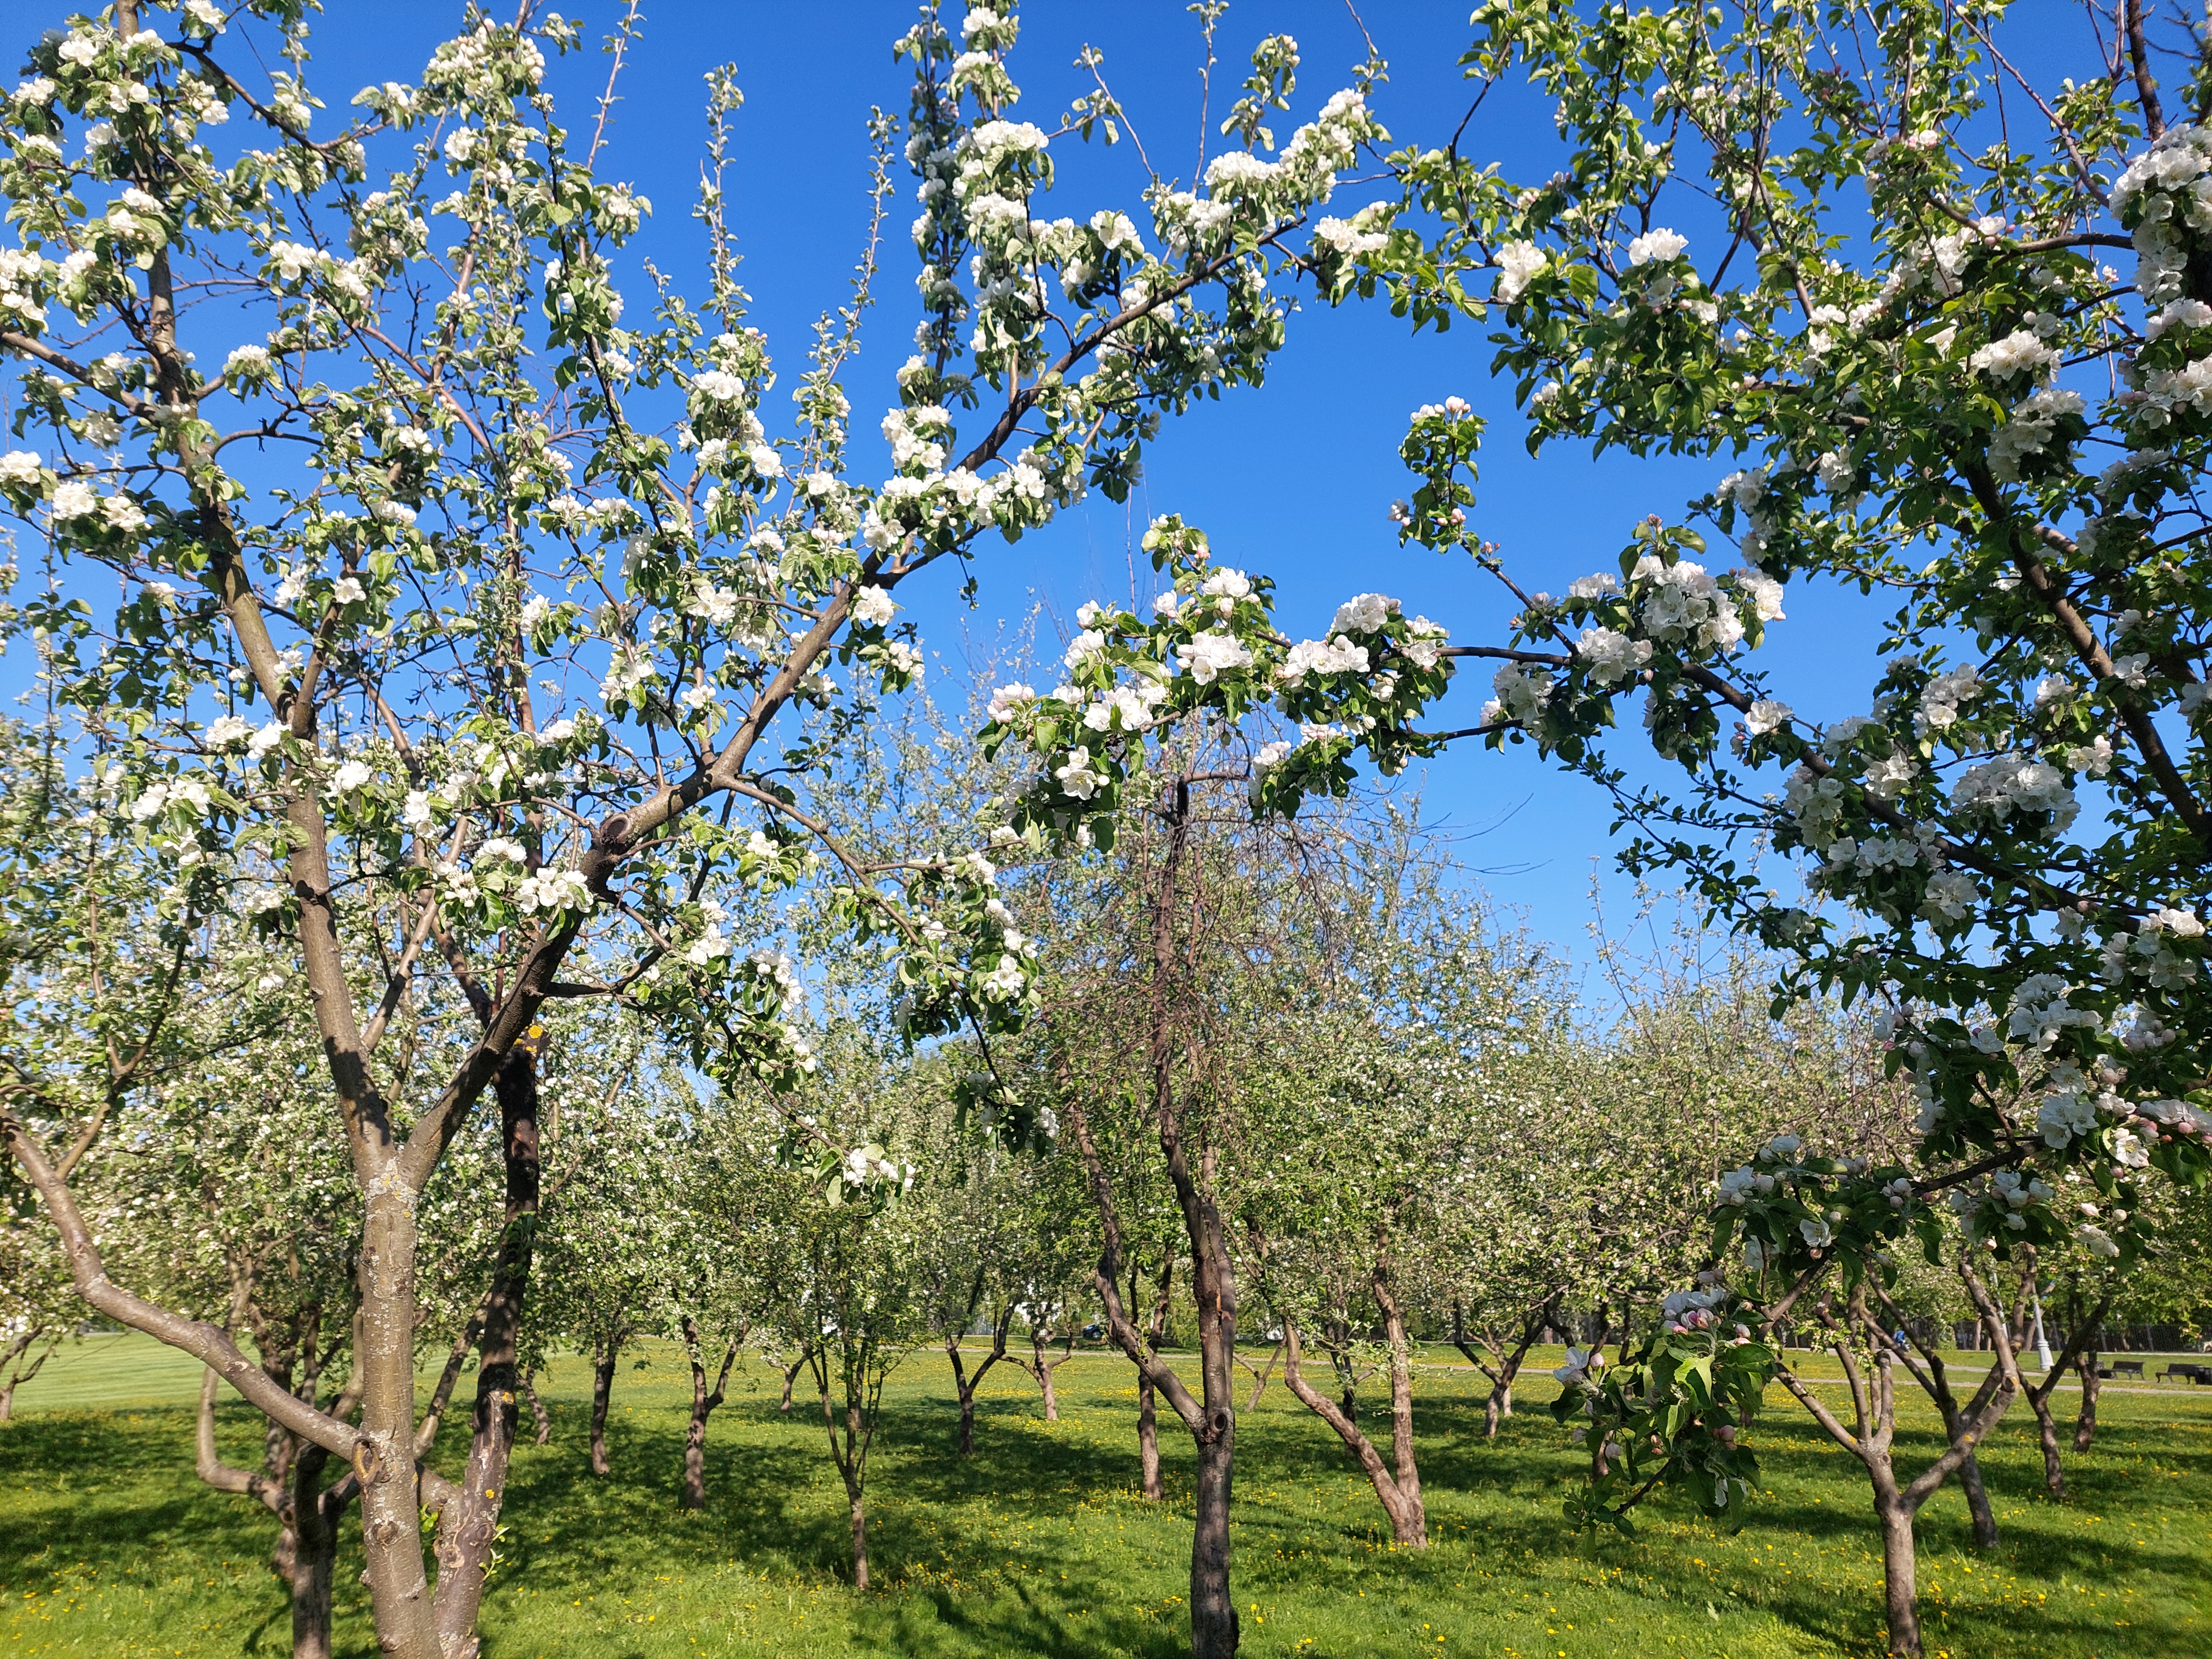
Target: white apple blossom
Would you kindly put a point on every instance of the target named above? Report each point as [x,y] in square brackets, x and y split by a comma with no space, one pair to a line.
[1519,264]
[1207,656]
[872,606]
[1661,245]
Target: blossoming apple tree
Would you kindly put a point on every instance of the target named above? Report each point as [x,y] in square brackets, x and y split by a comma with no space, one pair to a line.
[1944,329]
[498,664]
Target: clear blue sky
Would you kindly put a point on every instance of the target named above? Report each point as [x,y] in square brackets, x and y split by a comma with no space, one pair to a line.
[1292,479]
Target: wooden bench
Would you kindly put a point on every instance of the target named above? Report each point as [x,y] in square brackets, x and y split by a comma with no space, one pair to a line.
[2192,1374]
[2121,1368]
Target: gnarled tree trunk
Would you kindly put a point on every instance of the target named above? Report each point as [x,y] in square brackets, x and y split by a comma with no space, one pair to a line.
[964,1382]
[605,1353]
[542,1418]
[2085,1424]
[1148,1423]
[1397,1484]
[16,1370]
[1871,1436]
[703,1401]
[1509,1352]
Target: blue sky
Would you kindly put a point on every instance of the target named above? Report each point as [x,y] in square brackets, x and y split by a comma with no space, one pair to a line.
[1292,479]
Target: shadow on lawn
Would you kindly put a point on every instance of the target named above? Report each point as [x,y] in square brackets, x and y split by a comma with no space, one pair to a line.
[997,1553]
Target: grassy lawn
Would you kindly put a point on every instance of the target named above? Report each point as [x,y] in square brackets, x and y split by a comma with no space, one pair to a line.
[1038,1545]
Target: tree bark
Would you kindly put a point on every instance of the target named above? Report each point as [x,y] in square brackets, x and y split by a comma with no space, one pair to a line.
[1260,1376]
[1148,1442]
[1148,1422]
[314,1532]
[1984,1518]
[391,1495]
[2085,1424]
[468,1527]
[1510,1355]
[2046,1434]
[1213,1622]
[18,1374]
[964,1383]
[702,1406]
[1900,1571]
[859,1512]
[1399,1493]
[604,1355]
[538,1412]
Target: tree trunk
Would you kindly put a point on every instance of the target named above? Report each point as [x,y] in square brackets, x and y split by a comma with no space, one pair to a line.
[1148,1422]
[859,1535]
[1051,1395]
[469,1527]
[1214,1623]
[790,1376]
[2085,1425]
[538,1412]
[1408,1519]
[965,1385]
[1977,1504]
[313,1527]
[1535,1323]
[703,1402]
[2046,1431]
[18,1374]
[391,1495]
[1400,1494]
[1260,1376]
[1900,1583]
[1148,1442]
[603,1387]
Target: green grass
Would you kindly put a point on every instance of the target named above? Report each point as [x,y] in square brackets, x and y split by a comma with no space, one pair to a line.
[1038,1545]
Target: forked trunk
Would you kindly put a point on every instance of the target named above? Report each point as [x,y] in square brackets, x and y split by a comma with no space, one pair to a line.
[602,1387]
[703,1401]
[469,1526]
[1260,1376]
[1511,1353]
[964,1383]
[1051,1394]
[1398,1490]
[2085,1425]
